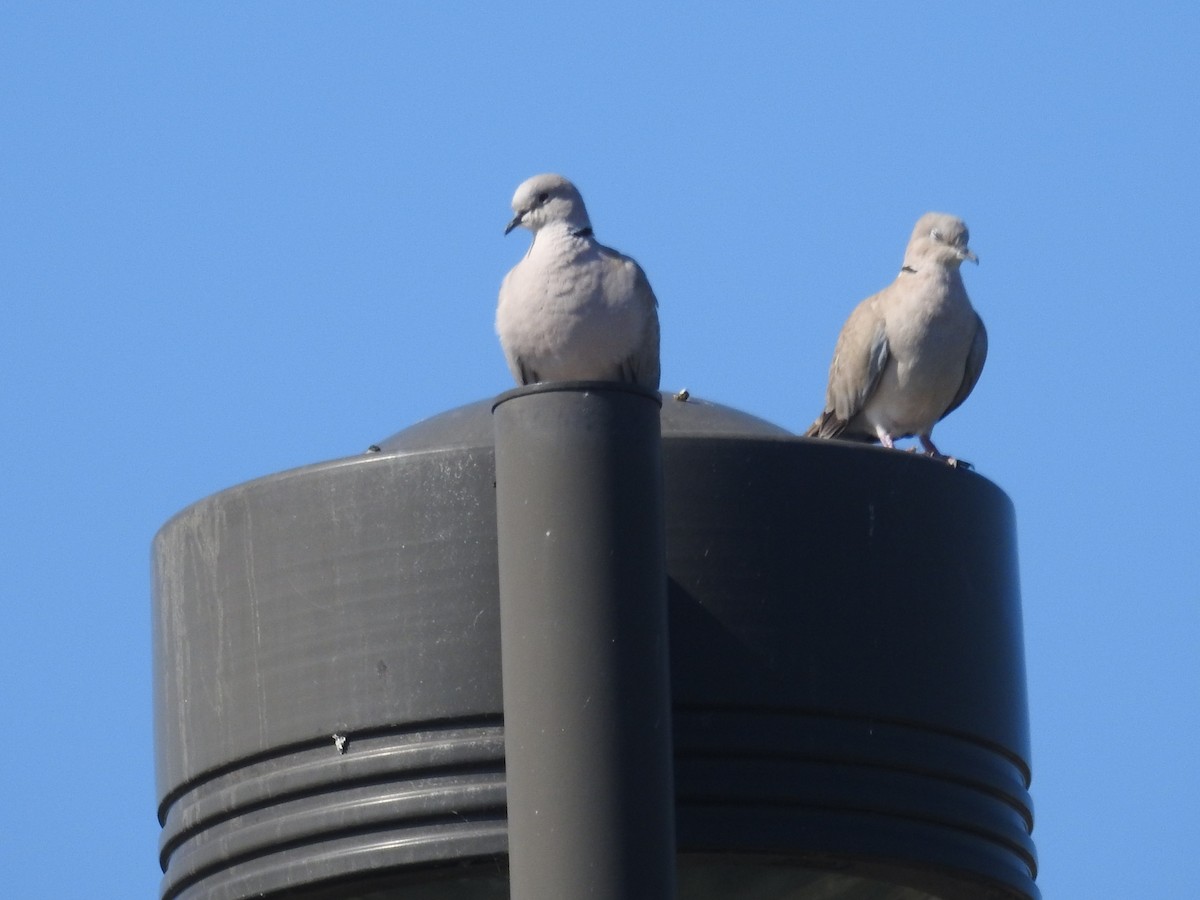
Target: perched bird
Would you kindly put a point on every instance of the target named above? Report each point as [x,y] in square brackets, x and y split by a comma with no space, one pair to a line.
[910,355]
[573,309]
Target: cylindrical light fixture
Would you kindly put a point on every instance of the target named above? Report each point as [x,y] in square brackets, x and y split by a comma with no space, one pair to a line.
[848,709]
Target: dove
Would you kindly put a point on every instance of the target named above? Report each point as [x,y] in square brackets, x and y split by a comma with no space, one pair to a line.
[910,355]
[573,309]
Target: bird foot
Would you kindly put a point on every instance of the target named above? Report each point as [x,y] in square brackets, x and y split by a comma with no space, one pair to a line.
[934,453]
[952,461]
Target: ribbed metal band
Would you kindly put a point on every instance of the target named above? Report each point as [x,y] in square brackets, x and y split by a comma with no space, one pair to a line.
[769,781]
[421,794]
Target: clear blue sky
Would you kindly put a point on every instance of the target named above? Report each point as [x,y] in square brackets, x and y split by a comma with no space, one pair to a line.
[237,238]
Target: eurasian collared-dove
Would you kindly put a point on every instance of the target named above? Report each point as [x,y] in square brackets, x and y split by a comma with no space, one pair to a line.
[573,309]
[908,356]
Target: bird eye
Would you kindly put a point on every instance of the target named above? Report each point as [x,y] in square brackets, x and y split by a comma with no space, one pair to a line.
[935,234]
[542,197]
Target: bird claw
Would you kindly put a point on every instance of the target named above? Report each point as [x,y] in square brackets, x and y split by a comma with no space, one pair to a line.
[952,461]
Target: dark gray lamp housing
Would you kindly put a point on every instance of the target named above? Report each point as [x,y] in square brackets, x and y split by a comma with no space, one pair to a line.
[843,715]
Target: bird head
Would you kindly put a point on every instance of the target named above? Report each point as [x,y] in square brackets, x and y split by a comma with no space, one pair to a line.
[939,238]
[545,199]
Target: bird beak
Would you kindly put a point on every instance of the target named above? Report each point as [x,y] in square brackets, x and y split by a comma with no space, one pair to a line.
[967,253]
[516,220]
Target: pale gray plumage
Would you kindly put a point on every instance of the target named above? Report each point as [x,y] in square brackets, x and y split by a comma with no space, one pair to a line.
[911,354]
[573,309]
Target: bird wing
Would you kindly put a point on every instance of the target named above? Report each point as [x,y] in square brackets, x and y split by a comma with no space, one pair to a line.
[976,357]
[516,365]
[859,358]
[643,365]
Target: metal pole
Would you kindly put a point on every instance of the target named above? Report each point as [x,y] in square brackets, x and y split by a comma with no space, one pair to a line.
[587,714]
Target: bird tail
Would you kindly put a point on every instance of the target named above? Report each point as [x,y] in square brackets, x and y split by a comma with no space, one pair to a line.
[829,425]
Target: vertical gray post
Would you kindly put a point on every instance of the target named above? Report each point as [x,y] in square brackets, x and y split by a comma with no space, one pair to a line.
[587,715]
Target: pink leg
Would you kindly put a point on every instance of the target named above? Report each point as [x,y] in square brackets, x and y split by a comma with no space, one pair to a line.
[934,452]
[884,437]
